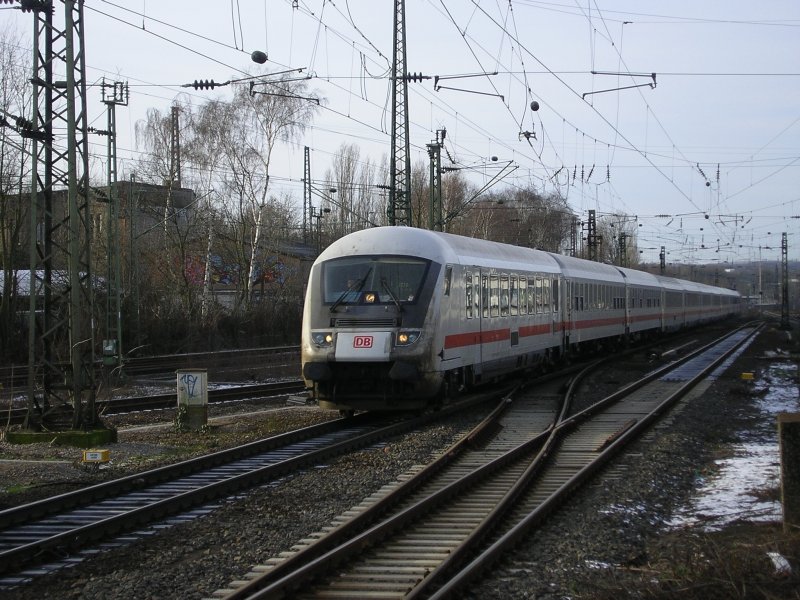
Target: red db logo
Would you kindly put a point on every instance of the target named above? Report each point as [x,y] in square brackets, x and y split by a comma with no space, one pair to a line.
[362,341]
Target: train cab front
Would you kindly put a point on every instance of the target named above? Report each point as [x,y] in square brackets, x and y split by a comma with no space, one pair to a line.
[365,344]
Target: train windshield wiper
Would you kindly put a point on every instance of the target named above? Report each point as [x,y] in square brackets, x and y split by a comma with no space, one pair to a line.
[388,289]
[354,287]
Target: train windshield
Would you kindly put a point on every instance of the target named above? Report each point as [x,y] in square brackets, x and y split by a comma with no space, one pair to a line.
[373,280]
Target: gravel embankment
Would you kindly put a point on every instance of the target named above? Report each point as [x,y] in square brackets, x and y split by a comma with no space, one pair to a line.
[612,526]
[610,522]
[193,559]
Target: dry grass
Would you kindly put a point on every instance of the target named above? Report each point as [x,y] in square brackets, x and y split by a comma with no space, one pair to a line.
[689,564]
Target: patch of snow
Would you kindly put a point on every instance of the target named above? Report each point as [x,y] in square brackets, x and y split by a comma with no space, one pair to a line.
[735,492]
[782,566]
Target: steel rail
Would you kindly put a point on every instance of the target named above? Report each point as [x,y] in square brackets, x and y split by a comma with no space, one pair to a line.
[282,582]
[15,376]
[51,509]
[564,424]
[16,416]
[292,575]
[451,582]
[358,524]
[348,435]
[156,364]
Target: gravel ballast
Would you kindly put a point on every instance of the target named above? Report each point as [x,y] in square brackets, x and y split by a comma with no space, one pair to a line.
[609,525]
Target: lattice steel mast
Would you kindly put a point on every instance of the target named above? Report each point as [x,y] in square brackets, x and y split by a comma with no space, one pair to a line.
[591,236]
[399,209]
[61,338]
[306,192]
[785,322]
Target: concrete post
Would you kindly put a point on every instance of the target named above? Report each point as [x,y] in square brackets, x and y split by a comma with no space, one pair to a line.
[192,398]
[789,441]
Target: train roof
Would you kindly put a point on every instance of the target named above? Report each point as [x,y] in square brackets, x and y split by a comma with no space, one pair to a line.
[446,248]
[640,278]
[441,247]
[587,269]
[684,285]
[670,283]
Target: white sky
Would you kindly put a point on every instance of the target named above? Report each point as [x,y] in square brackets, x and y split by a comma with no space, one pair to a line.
[727,97]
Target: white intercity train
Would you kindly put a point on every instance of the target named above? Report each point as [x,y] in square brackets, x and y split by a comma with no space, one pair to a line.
[399,318]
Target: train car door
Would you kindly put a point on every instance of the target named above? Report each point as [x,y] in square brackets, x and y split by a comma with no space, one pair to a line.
[557,314]
[566,325]
[461,323]
[482,308]
[628,304]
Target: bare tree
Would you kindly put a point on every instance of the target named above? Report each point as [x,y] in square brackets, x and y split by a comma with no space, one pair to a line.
[254,125]
[175,267]
[618,232]
[543,222]
[356,203]
[455,192]
[342,177]
[226,150]
[15,102]
[420,194]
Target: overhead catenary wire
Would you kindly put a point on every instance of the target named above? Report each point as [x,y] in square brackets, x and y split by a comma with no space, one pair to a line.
[469,147]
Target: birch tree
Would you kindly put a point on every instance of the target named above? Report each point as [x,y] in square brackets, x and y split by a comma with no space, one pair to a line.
[15,164]
[255,123]
[355,204]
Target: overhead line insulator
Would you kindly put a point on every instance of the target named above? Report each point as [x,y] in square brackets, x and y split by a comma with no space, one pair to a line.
[415,77]
[203,84]
[33,5]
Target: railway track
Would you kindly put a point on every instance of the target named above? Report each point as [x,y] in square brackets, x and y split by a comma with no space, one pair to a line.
[16,415]
[222,359]
[16,377]
[421,539]
[62,526]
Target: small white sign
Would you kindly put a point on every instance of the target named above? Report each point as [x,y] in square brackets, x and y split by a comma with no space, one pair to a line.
[371,346]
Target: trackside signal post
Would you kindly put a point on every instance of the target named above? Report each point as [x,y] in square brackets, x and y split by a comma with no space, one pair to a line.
[114,94]
[435,216]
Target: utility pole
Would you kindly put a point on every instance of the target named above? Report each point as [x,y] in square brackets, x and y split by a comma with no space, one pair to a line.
[399,209]
[114,94]
[623,249]
[785,324]
[435,218]
[60,396]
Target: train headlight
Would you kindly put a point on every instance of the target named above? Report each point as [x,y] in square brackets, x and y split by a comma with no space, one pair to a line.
[322,339]
[407,337]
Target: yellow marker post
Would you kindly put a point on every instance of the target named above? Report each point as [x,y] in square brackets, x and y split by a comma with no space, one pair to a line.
[95,456]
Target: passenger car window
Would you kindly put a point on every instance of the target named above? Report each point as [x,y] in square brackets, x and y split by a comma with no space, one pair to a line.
[468,295]
[504,296]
